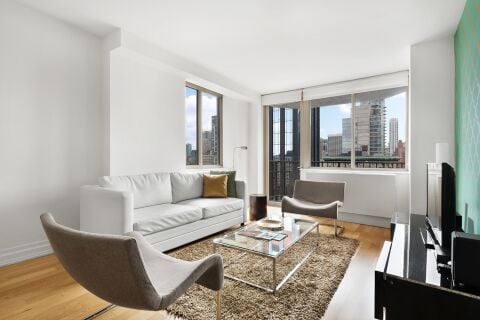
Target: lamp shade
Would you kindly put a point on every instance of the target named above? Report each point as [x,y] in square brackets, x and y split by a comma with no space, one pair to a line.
[442,152]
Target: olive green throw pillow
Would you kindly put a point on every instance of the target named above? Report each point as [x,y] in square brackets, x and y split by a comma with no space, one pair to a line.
[231,186]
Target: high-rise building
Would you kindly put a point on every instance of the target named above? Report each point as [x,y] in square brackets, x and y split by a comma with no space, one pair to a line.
[362,129]
[393,132]
[370,128]
[191,154]
[324,146]
[334,144]
[214,136]
[346,135]
[210,144]
[318,144]
[401,151]
[206,142]
[377,128]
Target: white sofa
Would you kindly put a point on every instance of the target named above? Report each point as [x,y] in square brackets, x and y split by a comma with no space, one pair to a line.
[167,208]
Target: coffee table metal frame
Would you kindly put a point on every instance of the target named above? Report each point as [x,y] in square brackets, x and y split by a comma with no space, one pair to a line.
[274,287]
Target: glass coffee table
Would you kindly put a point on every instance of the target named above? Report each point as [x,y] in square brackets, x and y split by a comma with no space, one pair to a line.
[295,229]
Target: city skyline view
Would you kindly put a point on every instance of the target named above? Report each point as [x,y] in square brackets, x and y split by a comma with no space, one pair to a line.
[332,117]
[375,114]
[335,120]
[209,135]
[378,127]
[209,109]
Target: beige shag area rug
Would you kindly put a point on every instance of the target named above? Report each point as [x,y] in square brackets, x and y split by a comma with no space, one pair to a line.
[306,294]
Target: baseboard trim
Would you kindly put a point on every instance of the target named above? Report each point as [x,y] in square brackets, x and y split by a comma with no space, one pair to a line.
[24,252]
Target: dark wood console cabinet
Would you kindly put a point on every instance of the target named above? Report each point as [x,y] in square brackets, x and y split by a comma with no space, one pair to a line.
[408,286]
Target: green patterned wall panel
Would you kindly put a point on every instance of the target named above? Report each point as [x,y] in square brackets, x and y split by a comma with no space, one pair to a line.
[467,115]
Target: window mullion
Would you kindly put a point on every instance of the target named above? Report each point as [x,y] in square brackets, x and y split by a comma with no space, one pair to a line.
[199,128]
[220,131]
[305,132]
[352,147]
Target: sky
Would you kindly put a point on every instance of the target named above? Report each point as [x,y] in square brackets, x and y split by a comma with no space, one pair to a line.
[209,103]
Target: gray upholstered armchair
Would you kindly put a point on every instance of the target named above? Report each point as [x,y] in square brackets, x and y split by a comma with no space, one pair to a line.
[314,198]
[127,271]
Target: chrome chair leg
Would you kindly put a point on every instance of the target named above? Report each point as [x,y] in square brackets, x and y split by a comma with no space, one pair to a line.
[218,301]
[99,312]
[335,227]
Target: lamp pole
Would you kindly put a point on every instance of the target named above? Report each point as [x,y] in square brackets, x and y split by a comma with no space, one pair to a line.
[235,153]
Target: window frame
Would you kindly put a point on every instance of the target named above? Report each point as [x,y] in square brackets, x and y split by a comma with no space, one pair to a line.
[310,107]
[219,96]
[353,166]
[268,132]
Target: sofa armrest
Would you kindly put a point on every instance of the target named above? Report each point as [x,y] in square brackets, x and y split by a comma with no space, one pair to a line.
[242,193]
[105,210]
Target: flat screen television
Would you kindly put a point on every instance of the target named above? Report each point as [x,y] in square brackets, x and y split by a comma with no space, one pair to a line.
[441,208]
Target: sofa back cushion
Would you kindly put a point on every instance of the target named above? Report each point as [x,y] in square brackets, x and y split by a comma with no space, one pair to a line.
[148,189]
[186,186]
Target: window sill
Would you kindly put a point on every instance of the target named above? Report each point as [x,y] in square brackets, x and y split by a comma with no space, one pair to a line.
[358,171]
[205,168]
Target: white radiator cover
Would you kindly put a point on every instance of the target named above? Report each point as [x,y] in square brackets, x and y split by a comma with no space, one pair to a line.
[366,193]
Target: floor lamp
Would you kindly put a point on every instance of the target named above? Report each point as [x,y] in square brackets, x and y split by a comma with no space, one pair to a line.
[235,153]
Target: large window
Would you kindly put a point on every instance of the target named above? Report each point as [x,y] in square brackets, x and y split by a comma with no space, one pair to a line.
[203,126]
[371,134]
[284,149]
[331,132]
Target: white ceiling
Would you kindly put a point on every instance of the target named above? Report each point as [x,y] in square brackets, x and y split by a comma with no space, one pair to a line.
[273,45]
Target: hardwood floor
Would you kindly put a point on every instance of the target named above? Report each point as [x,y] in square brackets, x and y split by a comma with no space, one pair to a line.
[41,289]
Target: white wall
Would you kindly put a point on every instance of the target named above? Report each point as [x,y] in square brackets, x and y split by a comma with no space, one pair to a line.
[235,134]
[50,123]
[193,72]
[371,197]
[140,68]
[256,172]
[402,184]
[74,107]
[432,101]
[147,118]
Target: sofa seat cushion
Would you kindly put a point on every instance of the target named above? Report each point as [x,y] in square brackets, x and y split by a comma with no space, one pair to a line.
[164,216]
[212,207]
